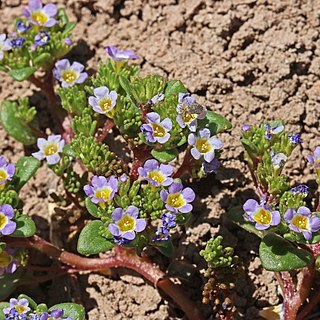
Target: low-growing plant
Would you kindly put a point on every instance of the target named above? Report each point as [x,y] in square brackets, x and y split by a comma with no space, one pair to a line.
[285,217]
[122,145]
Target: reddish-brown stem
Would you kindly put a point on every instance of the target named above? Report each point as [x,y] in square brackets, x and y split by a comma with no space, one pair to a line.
[37,132]
[315,300]
[294,296]
[123,258]
[108,125]
[46,85]
[141,154]
[185,166]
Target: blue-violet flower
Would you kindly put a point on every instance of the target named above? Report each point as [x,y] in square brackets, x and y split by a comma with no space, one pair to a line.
[302,221]
[102,189]
[301,188]
[126,223]
[119,55]
[155,174]
[178,199]
[7,226]
[204,145]
[5,45]
[41,15]
[68,74]
[155,130]
[49,149]
[6,171]
[103,101]
[21,306]
[271,130]
[42,38]
[260,214]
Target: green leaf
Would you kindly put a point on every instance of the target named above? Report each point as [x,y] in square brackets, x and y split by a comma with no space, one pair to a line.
[68,151]
[22,74]
[9,283]
[91,242]
[73,310]
[13,125]
[62,16]
[174,87]
[25,227]
[2,306]
[166,248]
[220,121]
[32,303]
[92,208]
[278,254]
[68,28]
[249,146]
[42,58]
[165,155]
[236,215]
[26,167]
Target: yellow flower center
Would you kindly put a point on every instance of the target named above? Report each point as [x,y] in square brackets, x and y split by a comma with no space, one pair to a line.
[175,200]
[5,259]
[203,145]
[20,309]
[3,175]
[187,117]
[3,220]
[105,104]
[263,216]
[158,130]
[69,76]
[39,17]
[103,194]
[300,222]
[126,223]
[156,176]
[50,149]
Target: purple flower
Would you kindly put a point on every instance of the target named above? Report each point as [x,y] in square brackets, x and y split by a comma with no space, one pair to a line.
[119,55]
[315,159]
[245,127]
[204,145]
[5,45]
[126,224]
[156,99]
[39,316]
[301,221]
[22,27]
[278,159]
[189,111]
[68,74]
[271,130]
[39,15]
[21,306]
[178,199]
[103,101]
[14,315]
[155,130]
[8,262]
[260,214]
[7,226]
[49,149]
[168,220]
[301,188]
[155,174]
[6,171]
[102,189]
[18,42]
[295,138]
[212,166]
[58,314]
[68,41]
[161,235]
[42,38]
[124,177]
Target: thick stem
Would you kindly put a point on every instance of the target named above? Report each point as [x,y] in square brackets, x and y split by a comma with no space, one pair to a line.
[185,166]
[123,258]
[141,154]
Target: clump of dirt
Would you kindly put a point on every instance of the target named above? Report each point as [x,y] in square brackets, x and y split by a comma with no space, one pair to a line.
[249,60]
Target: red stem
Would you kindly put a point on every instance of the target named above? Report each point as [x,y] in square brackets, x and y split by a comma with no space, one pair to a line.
[185,166]
[123,258]
[108,125]
[141,154]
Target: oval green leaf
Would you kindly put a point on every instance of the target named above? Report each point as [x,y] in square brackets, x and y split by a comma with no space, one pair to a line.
[92,208]
[73,310]
[91,242]
[278,254]
[25,227]
[22,74]
[165,155]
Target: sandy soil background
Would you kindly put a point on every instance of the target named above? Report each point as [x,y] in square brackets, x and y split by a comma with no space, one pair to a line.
[246,59]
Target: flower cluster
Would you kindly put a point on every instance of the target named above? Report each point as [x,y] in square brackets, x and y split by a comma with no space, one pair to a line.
[19,309]
[168,221]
